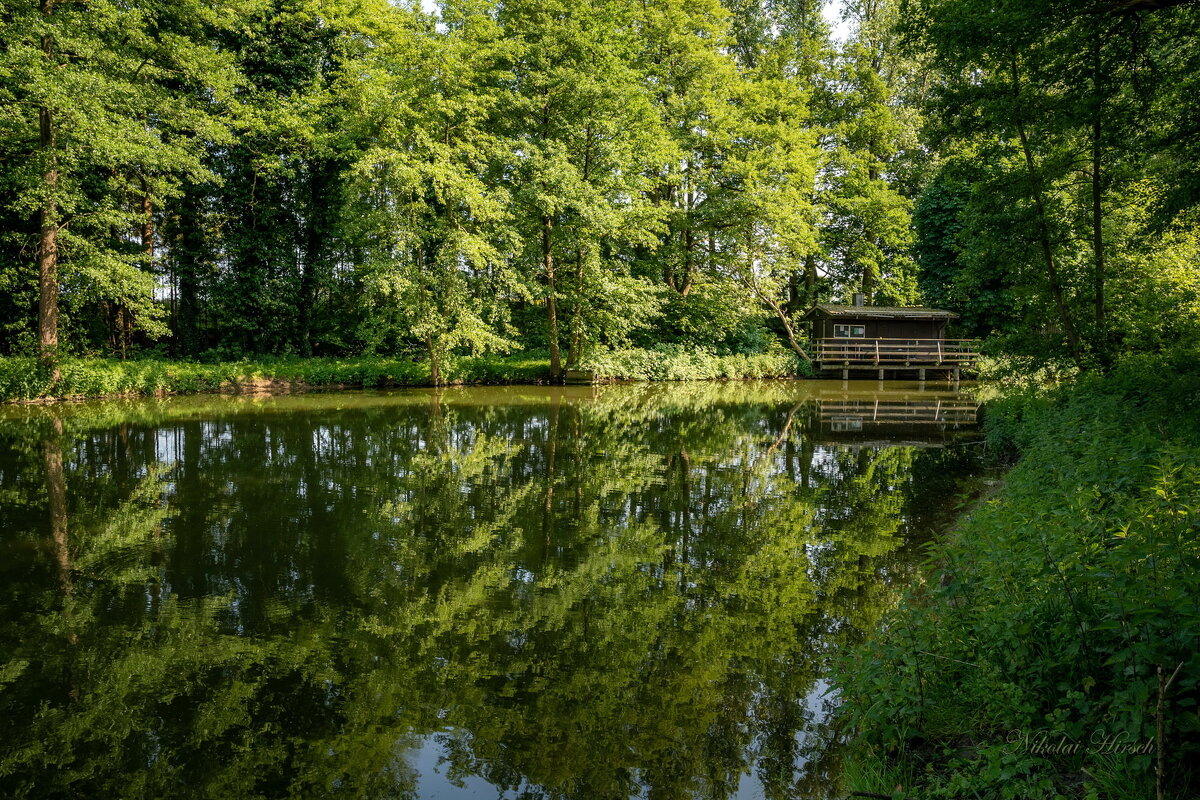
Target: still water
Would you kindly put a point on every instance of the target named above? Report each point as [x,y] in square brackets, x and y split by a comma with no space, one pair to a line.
[582,592]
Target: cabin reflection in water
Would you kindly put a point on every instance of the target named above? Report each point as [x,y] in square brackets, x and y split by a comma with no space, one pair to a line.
[880,418]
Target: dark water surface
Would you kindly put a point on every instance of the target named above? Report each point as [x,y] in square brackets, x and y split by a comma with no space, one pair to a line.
[629,591]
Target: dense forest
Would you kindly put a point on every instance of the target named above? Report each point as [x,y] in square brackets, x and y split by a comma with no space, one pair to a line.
[216,179]
[226,194]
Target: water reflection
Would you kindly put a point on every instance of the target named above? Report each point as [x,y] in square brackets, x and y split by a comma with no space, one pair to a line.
[885,417]
[560,593]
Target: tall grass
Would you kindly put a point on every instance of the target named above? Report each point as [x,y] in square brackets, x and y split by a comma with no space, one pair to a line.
[25,379]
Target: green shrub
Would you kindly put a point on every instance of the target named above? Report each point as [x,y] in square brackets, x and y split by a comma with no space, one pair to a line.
[533,367]
[1055,604]
[677,363]
[24,379]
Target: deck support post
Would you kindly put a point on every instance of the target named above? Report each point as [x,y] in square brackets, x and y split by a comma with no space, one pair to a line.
[881,373]
[845,374]
[921,372]
[956,376]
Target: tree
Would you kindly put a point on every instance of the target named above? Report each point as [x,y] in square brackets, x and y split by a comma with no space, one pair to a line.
[773,166]
[105,121]
[582,130]
[1050,99]
[867,227]
[433,222]
[280,181]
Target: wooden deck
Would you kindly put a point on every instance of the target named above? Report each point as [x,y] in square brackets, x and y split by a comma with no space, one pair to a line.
[952,356]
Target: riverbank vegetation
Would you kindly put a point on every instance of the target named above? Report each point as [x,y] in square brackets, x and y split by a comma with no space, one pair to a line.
[25,379]
[1052,650]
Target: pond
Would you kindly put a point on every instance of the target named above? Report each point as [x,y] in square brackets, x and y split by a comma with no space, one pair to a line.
[579,592]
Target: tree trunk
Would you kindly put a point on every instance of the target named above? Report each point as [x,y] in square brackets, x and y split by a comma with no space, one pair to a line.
[435,361]
[122,329]
[793,293]
[1056,290]
[1047,247]
[319,183]
[173,223]
[868,283]
[802,286]
[48,228]
[689,242]
[147,226]
[574,353]
[788,331]
[147,236]
[780,312]
[556,370]
[1098,225]
[48,269]
[810,279]
[187,256]
[1101,339]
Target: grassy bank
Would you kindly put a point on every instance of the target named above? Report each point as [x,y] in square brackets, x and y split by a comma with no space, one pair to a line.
[682,364]
[1037,660]
[22,379]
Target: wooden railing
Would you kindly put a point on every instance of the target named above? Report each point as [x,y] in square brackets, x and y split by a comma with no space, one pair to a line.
[934,410]
[896,353]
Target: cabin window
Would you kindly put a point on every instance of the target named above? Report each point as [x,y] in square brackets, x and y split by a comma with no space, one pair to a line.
[848,331]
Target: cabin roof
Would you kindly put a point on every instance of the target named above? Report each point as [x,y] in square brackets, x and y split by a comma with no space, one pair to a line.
[880,312]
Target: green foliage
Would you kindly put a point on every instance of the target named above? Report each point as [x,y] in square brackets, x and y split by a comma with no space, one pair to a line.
[1055,604]
[674,363]
[1057,207]
[528,367]
[108,107]
[25,379]
[873,141]
[944,222]
[339,179]
[433,232]
[301,177]
[704,317]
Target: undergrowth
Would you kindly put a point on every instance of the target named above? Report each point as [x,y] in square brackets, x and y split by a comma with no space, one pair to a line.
[1037,660]
[26,379]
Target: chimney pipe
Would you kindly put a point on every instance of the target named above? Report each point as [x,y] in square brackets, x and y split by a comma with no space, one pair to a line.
[860,299]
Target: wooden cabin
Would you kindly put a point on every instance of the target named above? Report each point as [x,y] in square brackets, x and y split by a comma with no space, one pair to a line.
[878,339]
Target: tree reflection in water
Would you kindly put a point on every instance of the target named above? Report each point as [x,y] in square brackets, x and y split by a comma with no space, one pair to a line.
[591,593]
